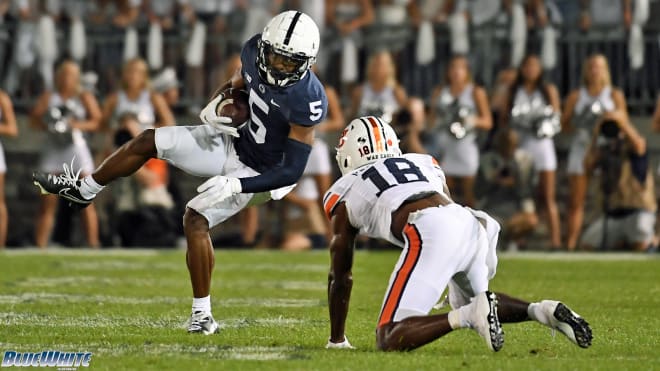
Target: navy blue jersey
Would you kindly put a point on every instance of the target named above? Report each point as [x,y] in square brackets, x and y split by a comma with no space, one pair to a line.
[263,138]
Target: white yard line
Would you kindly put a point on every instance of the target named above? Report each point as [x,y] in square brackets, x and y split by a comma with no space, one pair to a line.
[102,321]
[46,297]
[281,285]
[269,302]
[578,256]
[308,267]
[103,265]
[82,251]
[85,281]
[284,267]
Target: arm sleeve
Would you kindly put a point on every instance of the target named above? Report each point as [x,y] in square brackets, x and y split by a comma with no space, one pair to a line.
[285,174]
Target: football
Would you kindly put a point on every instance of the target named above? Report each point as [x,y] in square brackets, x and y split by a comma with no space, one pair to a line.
[235,105]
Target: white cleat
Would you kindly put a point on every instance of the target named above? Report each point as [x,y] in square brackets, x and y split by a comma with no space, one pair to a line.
[569,323]
[484,320]
[202,323]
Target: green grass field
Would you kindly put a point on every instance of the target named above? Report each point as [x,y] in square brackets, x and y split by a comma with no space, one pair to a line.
[129,309]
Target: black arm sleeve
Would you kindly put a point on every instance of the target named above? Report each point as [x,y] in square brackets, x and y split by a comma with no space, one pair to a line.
[287,173]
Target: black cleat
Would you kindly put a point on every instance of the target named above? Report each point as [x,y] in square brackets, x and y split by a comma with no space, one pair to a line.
[65,185]
[572,325]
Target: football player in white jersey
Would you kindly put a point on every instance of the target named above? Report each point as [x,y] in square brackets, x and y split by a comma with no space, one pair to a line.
[404,199]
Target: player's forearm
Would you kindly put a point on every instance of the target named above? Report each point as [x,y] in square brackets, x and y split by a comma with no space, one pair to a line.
[340,284]
[339,294]
[295,160]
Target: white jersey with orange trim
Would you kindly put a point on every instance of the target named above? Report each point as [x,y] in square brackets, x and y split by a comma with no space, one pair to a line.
[372,192]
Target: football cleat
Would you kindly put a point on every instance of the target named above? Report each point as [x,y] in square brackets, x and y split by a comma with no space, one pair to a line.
[66,185]
[568,323]
[202,323]
[484,320]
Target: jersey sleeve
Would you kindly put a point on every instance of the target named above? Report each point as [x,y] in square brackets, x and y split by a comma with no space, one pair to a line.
[249,53]
[309,104]
[333,196]
[428,162]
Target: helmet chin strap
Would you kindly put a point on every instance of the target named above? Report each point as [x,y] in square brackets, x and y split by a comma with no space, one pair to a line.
[284,82]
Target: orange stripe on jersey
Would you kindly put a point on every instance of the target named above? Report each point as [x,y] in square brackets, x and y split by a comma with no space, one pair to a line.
[330,204]
[375,130]
[403,275]
[435,162]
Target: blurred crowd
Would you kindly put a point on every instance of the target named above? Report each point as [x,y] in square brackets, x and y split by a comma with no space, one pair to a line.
[482,85]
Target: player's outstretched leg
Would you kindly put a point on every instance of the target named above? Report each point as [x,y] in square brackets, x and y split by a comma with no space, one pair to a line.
[200,261]
[551,313]
[126,160]
[413,332]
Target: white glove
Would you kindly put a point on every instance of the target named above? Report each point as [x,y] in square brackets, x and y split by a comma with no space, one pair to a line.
[215,190]
[209,115]
[343,345]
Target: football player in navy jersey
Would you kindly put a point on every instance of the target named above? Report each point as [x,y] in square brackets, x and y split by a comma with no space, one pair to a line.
[260,160]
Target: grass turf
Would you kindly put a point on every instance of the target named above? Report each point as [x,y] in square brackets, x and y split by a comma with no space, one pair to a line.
[129,309]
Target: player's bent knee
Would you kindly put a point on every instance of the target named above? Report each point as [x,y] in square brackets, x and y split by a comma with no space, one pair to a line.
[194,222]
[144,143]
[384,340]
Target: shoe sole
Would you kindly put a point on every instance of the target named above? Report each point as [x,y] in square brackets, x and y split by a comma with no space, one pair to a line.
[214,329]
[494,326]
[41,189]
[573,326]
[72,204]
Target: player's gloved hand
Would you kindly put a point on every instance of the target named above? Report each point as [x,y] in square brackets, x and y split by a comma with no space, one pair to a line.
[343,345]
[209,115]
[216,190]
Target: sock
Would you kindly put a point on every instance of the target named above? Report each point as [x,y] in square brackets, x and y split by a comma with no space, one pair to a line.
[458,318]
[536,311]
[202,304]
[89,188]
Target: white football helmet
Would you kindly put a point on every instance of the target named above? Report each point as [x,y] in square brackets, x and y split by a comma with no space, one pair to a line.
[293,37]
[366,140]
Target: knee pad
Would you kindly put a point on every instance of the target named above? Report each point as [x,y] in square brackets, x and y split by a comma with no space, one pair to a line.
[164,139]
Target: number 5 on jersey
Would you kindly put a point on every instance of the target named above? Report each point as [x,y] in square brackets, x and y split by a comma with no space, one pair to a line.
[257,127]
[316,110]
[259,112]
